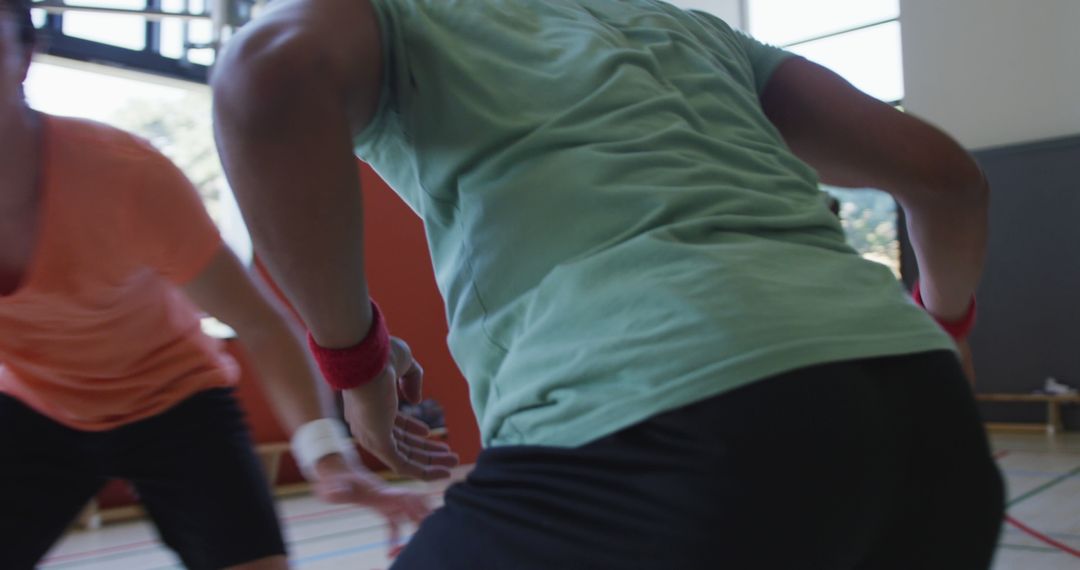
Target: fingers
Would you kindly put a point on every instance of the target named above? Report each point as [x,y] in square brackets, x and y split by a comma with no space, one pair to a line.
[414,455]
[411,425]
[417,509]
[395,535]
[423,465]
[420,443]
[411,383]
[427,459]
[424,451]
[399,507]
[400,354]
[359,487]
[410,374]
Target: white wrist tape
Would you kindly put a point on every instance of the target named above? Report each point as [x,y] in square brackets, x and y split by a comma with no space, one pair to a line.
[317,439]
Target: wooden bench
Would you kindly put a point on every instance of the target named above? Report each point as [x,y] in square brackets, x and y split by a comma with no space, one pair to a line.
[1053,411]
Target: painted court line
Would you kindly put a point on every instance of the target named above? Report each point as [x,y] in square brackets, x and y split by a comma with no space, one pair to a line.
[143,544]
[1041,451]
[107,557]
[1045,486]
[1031,473]
[1062,535]
[99,551]
[1042,537]
[1060,546]
[156,546]
[298,562]
[1027,547]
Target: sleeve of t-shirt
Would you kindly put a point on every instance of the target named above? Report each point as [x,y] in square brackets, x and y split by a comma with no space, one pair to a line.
[764,59]
[171,230]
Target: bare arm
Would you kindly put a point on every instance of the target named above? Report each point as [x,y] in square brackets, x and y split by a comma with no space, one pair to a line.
[854,140]
[289,92]
[225,291]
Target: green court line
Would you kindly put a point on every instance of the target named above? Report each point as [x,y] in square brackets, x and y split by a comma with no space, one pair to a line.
[1043,487]
[1026,547]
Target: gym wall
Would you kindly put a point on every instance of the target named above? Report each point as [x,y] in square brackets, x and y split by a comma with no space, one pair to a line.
[402,280]
[993,72]
[1003,77]
[1029,314]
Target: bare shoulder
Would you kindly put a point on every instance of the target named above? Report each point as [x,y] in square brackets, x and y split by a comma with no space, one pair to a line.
[305,44]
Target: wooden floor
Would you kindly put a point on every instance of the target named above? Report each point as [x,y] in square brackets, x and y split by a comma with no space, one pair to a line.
[1043,474]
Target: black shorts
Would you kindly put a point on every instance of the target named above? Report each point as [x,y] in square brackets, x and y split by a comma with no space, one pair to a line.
[192,466]
[864,465]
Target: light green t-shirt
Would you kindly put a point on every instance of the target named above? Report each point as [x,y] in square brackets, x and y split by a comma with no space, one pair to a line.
[617,229]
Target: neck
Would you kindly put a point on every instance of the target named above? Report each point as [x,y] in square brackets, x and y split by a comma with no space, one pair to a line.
[21,133]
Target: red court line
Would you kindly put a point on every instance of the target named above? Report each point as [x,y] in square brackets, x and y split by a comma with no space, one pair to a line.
[99,551]
[318,514]
[134,545]
[1032,532]
[1042,537]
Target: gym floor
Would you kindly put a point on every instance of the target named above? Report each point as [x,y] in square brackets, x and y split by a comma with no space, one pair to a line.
[1042,533]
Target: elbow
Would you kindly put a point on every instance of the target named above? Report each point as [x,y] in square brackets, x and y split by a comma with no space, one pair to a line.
[967,186]
[951,179]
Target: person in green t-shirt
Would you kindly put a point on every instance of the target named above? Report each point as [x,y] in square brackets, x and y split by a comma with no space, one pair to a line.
[673,354]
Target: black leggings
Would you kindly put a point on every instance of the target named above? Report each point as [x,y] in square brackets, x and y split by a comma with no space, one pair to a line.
[872,464]
[193,466]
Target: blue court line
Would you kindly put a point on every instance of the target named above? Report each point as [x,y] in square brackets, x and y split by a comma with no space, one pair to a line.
[161,547]
[371,546]
[344,552]
[305,560]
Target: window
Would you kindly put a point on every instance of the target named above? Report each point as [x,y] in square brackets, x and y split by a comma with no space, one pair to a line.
[860,40]
[869,221]
[173,115]
[730,11]
[136,34]
[128,32]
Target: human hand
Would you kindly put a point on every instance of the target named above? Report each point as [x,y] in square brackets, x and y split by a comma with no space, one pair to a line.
[399,441]
[340,481]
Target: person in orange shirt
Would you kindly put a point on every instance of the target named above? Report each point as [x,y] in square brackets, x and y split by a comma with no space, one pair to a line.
[106,257]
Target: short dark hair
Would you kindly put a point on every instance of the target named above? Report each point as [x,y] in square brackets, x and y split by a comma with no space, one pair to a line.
[21,11]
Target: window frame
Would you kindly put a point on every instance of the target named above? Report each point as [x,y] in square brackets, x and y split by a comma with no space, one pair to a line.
[747,18]
[149,59]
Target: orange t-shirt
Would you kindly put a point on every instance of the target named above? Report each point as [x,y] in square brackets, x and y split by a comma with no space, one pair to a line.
[98,334]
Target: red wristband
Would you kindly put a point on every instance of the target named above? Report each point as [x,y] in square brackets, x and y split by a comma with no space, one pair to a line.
[352,367]
[958,329]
